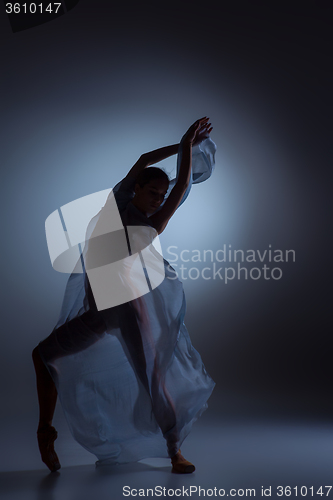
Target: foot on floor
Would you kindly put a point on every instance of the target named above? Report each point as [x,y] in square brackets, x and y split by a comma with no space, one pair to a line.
[46,438]
[180,465]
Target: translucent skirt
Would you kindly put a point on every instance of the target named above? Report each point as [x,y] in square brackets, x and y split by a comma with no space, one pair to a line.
[130,383]
[129,380]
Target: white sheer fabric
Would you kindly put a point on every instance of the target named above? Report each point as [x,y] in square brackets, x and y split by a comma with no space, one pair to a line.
[129,380]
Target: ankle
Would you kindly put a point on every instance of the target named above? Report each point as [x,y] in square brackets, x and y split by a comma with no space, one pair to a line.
[177,458]
[44,426]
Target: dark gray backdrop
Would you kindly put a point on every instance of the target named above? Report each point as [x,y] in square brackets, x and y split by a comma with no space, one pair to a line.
[84,95]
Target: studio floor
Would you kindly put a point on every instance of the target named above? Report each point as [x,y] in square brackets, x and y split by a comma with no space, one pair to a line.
[232,458]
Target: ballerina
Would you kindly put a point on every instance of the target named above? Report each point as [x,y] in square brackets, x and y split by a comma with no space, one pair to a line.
[147,382]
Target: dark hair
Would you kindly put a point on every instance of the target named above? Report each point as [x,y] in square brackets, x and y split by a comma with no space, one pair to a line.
[149,174]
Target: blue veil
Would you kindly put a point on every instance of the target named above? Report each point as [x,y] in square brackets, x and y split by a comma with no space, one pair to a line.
[129,380]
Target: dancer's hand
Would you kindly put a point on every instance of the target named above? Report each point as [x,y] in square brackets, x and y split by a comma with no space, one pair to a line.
[197,132]
[202,133]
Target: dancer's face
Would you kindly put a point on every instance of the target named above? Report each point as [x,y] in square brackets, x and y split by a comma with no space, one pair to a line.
[149,197]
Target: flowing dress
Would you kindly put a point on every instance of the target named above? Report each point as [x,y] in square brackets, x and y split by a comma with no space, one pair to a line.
[130,383]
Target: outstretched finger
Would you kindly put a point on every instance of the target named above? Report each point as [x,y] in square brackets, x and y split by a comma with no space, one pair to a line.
[202,120]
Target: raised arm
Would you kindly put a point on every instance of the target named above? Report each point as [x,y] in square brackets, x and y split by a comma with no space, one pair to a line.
[151,158]
[197,132]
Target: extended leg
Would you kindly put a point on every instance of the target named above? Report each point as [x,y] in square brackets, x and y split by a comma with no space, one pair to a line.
[47,398]
[162,404]
[46,390]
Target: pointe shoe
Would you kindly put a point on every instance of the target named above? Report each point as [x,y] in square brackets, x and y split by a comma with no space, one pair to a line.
[180,465]
[46,438]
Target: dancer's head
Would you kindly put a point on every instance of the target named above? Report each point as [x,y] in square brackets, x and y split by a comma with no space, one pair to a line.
[150,189]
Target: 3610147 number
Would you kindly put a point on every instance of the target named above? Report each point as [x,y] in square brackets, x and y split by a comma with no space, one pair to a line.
[31,8]
[303,491]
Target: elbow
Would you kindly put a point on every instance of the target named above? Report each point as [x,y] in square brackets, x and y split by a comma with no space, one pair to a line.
[148,159]
[144,160]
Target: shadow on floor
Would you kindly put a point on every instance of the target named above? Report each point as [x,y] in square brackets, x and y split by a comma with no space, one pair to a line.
[243,457]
